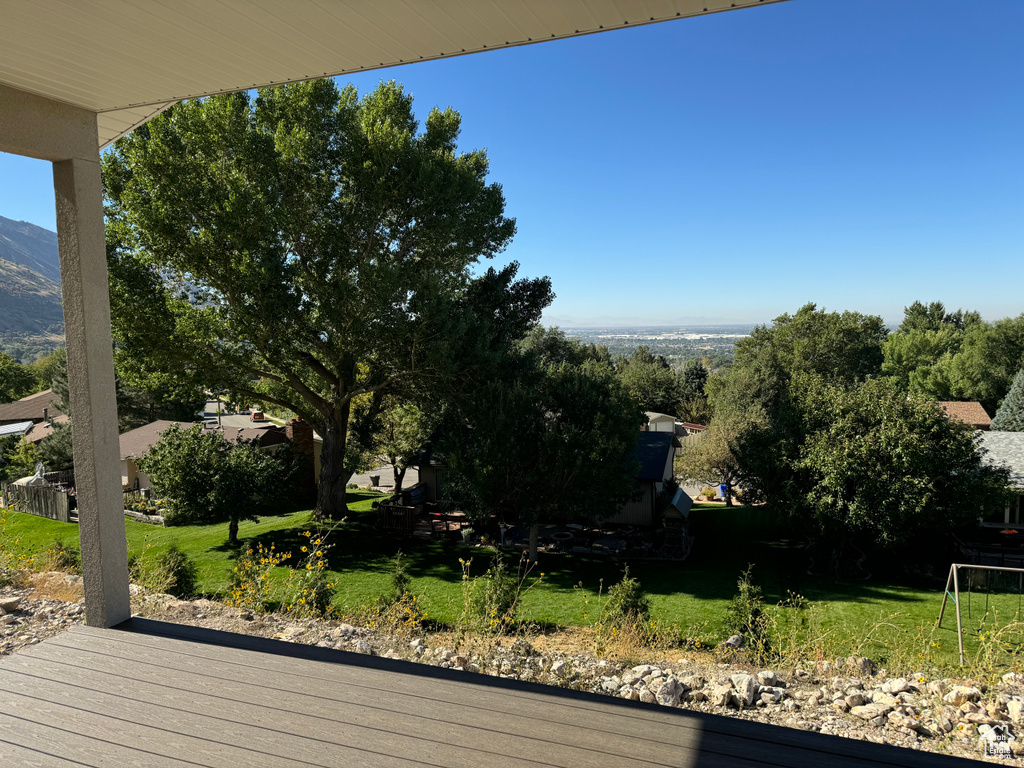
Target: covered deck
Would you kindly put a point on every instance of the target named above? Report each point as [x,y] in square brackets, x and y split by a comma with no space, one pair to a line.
[148,693]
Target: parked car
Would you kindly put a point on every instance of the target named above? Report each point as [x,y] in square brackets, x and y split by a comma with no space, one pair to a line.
[257,416]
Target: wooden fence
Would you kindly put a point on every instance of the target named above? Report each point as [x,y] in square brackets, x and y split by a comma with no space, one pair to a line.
[40,500]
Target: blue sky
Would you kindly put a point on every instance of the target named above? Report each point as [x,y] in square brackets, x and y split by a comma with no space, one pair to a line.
[860,154]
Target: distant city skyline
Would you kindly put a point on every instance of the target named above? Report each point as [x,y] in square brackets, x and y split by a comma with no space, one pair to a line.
[730,168]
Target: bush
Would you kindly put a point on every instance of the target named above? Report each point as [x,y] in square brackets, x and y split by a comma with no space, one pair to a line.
[491,601]
[311,589]
[177,572]
[250,578]
[61,557]
[746,615]
[400,580]
[627,602]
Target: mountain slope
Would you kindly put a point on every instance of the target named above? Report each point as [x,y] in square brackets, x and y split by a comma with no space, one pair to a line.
[30,246]
[29,280]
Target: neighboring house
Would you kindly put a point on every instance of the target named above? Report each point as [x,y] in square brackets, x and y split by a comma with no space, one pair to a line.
[1007,449]
[969,413]
[690,429]
[35,408]
[659,422]
[136,442]
[655,452]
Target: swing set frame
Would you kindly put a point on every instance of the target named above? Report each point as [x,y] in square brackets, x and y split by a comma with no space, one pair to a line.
[954,581]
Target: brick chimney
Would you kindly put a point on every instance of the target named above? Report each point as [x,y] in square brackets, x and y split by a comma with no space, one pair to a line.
[301,436]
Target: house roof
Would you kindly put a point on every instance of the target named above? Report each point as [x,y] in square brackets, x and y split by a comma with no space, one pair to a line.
[31,407]
[967,412]
[129,61]
[655,416]
[45,428]
[136,442]
[653,450]
[1006,449]
[698,427]
[18,428]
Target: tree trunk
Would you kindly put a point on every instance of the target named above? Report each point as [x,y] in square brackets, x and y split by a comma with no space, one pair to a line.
[330,494]
[534,535]
[233,531]
[399,477]
[728,494]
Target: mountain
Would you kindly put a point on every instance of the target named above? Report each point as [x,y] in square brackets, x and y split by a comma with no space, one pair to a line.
[29,281]
[30,246]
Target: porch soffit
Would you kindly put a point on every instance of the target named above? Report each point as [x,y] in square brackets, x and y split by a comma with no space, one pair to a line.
[128,60]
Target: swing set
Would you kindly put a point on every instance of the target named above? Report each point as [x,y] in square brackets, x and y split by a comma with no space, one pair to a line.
[954,581]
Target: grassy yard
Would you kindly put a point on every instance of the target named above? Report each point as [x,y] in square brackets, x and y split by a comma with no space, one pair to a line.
[693,595]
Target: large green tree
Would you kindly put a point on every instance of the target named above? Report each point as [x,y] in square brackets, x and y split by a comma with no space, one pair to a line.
[654,384]
[306,248]
[543,442]
[16,380]
[884,466]
[837,346]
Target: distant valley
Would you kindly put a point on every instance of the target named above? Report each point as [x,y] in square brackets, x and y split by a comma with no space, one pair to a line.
[676,343]
[31,316]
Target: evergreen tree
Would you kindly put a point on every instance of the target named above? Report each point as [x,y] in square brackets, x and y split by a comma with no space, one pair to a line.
[1010,416]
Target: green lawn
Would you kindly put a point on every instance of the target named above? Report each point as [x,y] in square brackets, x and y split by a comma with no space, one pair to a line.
[692,594]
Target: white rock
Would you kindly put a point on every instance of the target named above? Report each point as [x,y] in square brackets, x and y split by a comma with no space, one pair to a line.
[871,711]
[767,677]
[647,697]
[747,687]
[669,693]
[559,667]
[898,685]
[959,694]
[1015,707]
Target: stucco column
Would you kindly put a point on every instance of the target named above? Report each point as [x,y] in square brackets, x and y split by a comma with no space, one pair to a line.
[83,269]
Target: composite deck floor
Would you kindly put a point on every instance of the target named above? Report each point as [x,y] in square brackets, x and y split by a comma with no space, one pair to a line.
[156,694]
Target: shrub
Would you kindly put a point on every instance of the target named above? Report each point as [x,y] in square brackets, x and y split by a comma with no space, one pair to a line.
[310,588]
[177,572]
[490,602]
[400,580]
[61,557]
[250,578]
[746,615]
[627,602]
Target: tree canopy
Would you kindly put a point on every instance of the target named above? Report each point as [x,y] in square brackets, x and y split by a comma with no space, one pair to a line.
[543,442]
[1010,416]
[204,478]
[306,248]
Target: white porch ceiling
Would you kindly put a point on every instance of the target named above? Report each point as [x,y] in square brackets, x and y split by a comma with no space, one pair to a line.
[129,59]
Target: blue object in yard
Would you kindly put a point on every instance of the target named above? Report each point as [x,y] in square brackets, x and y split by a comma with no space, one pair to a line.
[722,489]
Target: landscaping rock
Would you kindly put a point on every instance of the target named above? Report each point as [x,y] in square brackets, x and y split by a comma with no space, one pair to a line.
[767,677]
[960,694]
[746,688]
[669,692]
[722,696]
[871,711]
[10,604]
[899,685]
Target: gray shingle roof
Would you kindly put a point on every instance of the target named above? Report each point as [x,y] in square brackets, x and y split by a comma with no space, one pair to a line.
[30,408]
[1007,449]
[653,450]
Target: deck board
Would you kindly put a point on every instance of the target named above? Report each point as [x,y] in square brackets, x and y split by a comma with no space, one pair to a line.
[162,694]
